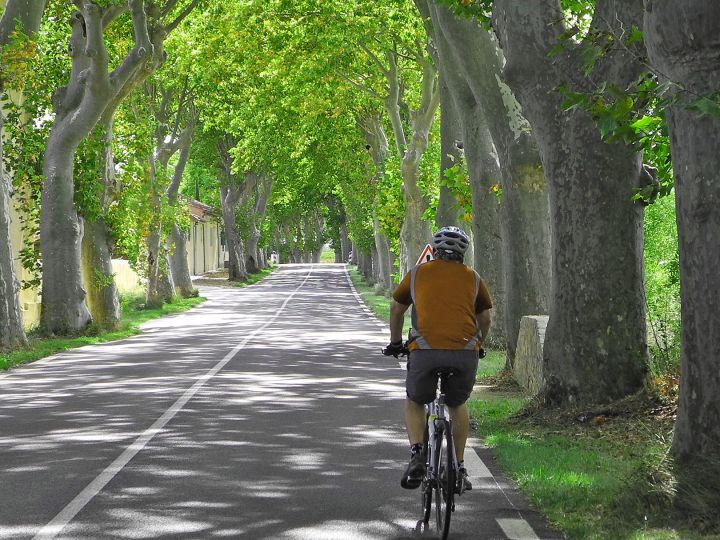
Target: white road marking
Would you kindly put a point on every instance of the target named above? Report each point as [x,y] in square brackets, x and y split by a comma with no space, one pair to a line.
[475,466]
[403,365]
[517,529]
[58,523]
[363,305]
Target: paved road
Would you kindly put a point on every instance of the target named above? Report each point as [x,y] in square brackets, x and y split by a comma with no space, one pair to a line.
[265,413]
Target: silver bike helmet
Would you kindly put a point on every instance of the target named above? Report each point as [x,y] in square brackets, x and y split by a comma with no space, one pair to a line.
[451,239]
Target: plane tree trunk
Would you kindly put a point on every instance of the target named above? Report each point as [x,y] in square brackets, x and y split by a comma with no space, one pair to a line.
[372,129]
[483,170]
[78,107]
[681,39]
[523,214]
[28,14]
[262,195]
[233,193]
[595,351]
[448,208]
[415,232]
[177,241]
[97,242]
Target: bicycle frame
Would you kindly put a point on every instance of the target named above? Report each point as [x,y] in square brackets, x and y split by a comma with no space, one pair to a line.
[437,414]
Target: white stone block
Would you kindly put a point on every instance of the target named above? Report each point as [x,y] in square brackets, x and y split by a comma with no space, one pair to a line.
[529,352]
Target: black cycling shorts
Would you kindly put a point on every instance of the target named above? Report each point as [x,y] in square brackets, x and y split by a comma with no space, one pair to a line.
[421,382]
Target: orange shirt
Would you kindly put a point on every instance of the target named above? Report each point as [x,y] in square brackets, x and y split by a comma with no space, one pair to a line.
[447,297]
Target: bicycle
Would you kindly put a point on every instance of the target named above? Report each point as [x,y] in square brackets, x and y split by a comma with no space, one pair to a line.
[442,479]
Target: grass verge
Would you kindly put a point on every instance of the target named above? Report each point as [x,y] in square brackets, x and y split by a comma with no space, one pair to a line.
[379,304]
[602,474]
[257,276]
[133,315]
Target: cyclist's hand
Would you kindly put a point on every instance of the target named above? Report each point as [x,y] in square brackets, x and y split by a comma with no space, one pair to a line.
[395,349]
[481,353]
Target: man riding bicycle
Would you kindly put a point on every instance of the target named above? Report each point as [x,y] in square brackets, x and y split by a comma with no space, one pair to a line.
[450,320]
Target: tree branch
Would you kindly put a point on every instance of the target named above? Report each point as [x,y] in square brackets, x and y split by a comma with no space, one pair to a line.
[183,14]
[143,46]
[113,12]
[94,43]
[169,5]
[373,56]
[360,86]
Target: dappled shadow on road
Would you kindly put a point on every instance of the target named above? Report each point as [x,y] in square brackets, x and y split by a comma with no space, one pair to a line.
[298,437]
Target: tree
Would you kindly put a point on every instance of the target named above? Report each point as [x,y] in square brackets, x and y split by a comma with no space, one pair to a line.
[20,20]
[596,344]
[78,107]
[681,39]
[97,242]
[515,262]
[175,117]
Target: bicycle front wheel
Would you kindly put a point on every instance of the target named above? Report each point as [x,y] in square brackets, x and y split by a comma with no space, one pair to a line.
[445,482]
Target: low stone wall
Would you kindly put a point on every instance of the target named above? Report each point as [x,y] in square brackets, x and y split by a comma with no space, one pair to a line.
[529,353]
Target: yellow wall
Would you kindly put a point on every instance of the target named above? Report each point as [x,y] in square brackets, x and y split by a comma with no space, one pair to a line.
[204,252]
[29,298]
[126,280]
[125,277]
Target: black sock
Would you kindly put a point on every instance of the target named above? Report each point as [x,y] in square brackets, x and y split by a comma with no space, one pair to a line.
[415,448]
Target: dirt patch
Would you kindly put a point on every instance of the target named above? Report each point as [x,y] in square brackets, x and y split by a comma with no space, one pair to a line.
[214,279]
[635,416]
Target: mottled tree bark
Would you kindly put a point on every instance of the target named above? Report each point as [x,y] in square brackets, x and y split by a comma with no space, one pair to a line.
[344,244]
[177,241]
[233,193]
[682,42]
[484,172]
[99,279]
[96,253]
[596,344]
[415,232]
[229,197]
[263,191]
[448,208]
[28,14]
[524,220]
[372,129]
[78,108]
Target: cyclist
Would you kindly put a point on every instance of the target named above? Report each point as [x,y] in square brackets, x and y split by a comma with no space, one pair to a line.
[450,320]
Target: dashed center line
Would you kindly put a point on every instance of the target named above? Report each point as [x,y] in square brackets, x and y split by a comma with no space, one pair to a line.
[60,521]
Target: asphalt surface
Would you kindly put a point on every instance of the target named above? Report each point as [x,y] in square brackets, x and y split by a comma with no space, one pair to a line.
[265,413]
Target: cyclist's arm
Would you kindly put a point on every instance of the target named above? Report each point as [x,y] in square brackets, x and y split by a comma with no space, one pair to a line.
[397,318]
[483,319]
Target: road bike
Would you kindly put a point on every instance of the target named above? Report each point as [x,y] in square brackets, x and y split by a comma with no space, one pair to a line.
[442,479]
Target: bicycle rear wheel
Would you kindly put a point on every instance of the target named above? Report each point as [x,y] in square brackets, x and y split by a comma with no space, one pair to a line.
[426,487]
[445,483]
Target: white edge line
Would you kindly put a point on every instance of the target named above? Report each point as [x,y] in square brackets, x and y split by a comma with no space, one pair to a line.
[60,521]
[362,303]
[517,529]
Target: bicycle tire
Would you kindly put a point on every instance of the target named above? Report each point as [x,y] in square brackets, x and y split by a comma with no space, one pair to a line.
[445,482]
[426,486]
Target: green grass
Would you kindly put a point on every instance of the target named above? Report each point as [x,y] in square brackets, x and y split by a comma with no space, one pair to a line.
[379,304]
[327,256]
[604,482]
[610,481]
[492,364]
[258,276]
[132,316]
